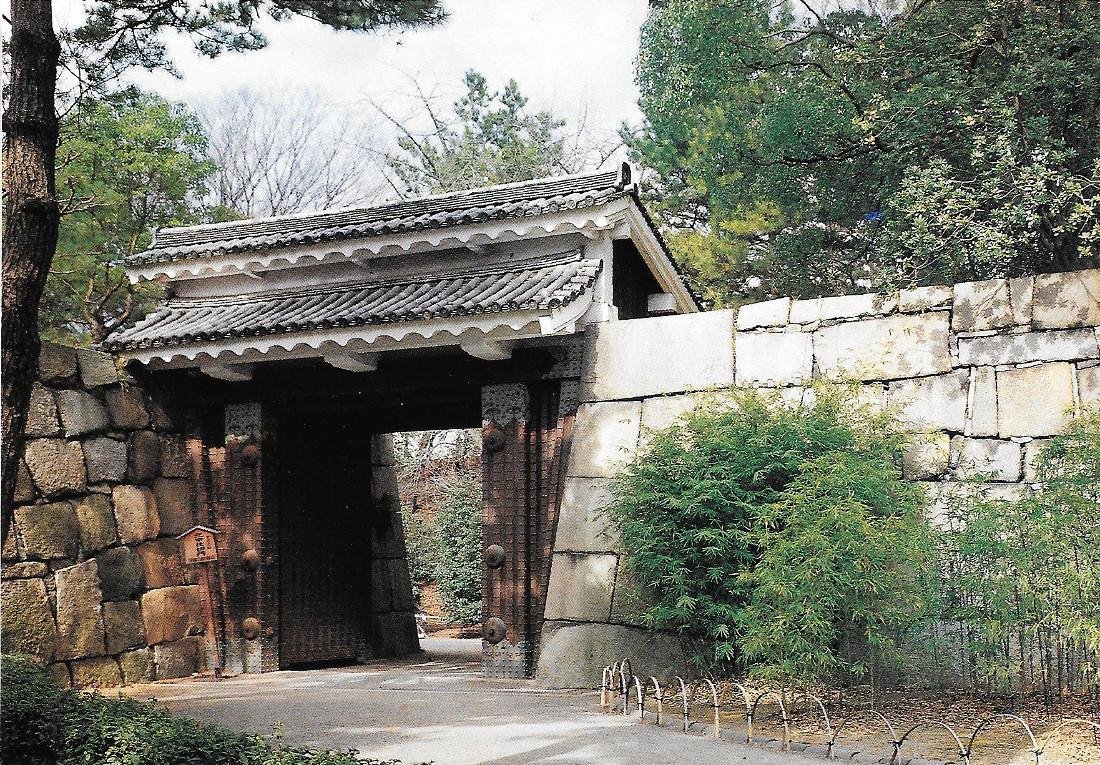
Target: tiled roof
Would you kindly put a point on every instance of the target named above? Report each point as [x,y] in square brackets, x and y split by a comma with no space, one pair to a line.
[515,200]
[544,284]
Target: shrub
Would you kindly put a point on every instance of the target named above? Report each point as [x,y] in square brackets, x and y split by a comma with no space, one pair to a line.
[42,724]
[774,538]
[458,559]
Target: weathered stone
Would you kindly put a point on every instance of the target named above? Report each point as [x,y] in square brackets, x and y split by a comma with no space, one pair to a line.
[381,588]
[10,549]
[839,307]
[394,634]
[42,420]
[97,522]
[1034,401]
[122,621]
[162,417]
[770,313]
[402,585]
[986,458]
[126,407]
[570,655]
[604,436]
[56,466]
[137,666]
[105,459]
[908,345]
[580,587]
[135,513]
[1067,300]
[926,458]
[162,562]
[381,449]
[981,305]
[1059,345]
[27,569]
[630,601]
[1088,384]
[56,363]
[59,671]
[774,358]
[932,403]
[387,534]
[96,368]
[1020,293]
[24,484]
[171,613]
[79,617]
[924,298]
[661,412]
[174,503]
[144,464]
[175,460]
[181,658]
[28,625]
[583,523]
[81,413]
[121,574]
[982,414]
[49,532]
[630,359]
[1033,450]
[96,673]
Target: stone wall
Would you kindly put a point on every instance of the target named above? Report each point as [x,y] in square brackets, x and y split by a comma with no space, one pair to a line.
[93,582]
[982,372]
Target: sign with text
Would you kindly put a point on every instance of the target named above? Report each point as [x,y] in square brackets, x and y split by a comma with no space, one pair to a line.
[199,545]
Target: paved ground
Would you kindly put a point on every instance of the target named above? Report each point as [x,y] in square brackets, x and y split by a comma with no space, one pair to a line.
[439,708]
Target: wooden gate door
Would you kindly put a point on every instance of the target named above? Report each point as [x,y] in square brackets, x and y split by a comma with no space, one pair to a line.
[324,542]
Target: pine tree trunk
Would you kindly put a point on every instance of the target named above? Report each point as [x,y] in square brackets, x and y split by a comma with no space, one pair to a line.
[30,219]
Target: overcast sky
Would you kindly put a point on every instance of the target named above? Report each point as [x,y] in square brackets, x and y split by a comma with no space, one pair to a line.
[569,56]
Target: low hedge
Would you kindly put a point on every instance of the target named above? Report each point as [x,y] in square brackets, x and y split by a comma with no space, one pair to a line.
[43,725]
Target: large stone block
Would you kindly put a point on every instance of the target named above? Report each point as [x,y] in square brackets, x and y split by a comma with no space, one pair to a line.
[981,305]
[96,368]
[774,358]
[56,466]
[381,587]
[162,563]
[105,459]
[97,522]
[42,420]
[126,407]
[394,634]
[931,403]
[137,666]
[24,484]
[135,514]
[381,449]
[1088,385]
[573,655]
[181,658]
[981,414]
[1034,401]
[174,503]
[925,298]
[1033,451]
[908,345]
[667,354]
[1020,292]
[770,313]
[28,569]
[144,464]
[79,611]
[121,574]
[583,523]
[56,363]
[28,625]
[102,672]
[172,613]
[81,413]
[122,622]
[987,459]
[630,601]
[927,457]
[1059,345]
[661,412]
[49,532]
[839,307]
[402,585]
[580,587]
[1067,300]
[605,435]
[175,459]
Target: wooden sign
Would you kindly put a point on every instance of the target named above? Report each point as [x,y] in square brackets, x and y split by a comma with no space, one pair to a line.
[199,545]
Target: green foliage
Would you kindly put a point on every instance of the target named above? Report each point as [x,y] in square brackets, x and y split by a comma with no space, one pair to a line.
[492,139]
[856,149]
[721,516]
[1023,577]
[127,163]
[458,565]
[52,727]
